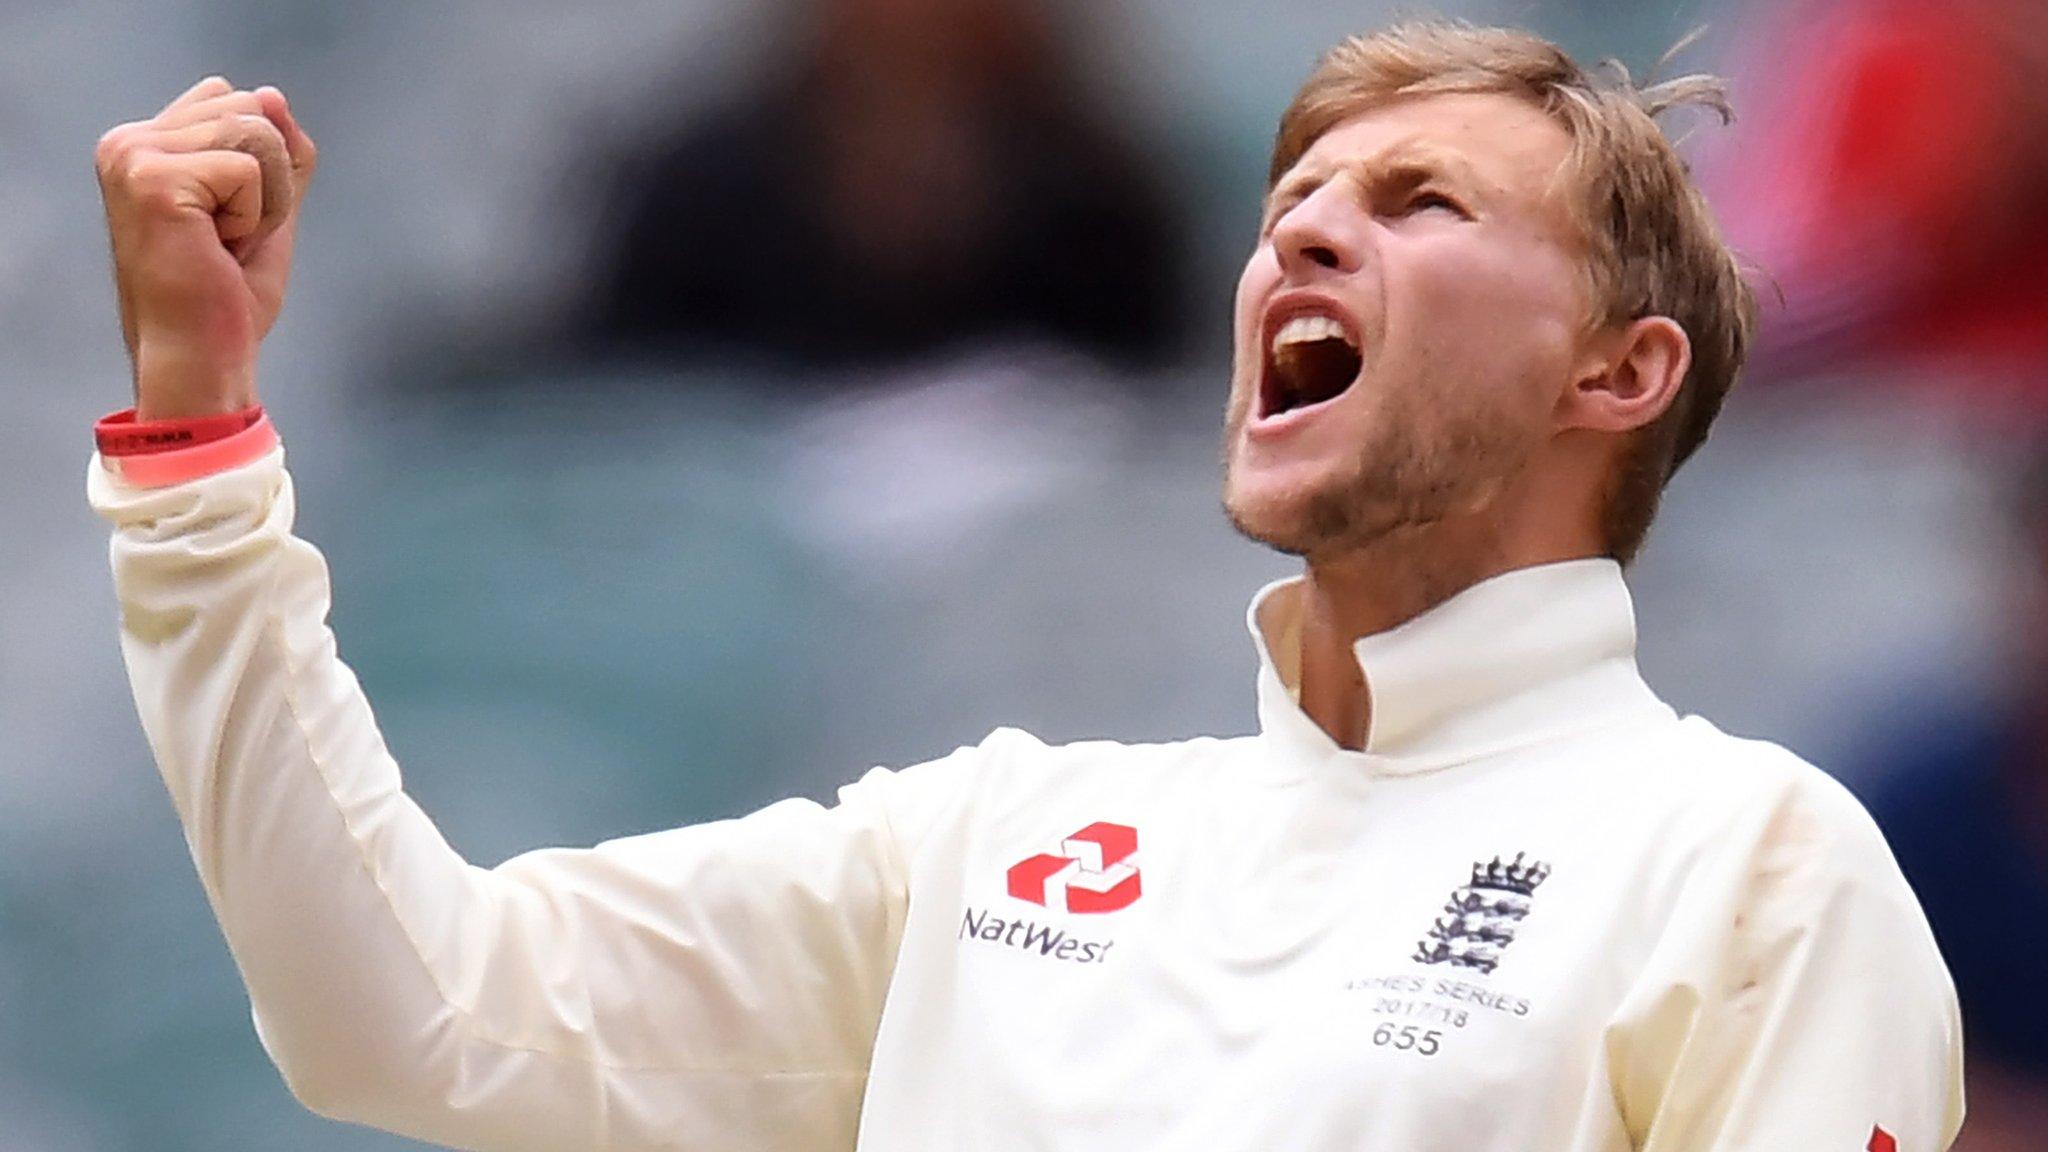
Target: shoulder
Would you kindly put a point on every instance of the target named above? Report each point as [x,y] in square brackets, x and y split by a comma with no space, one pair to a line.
[1788,843]
[1727,823]
[1016,769]
[1021,750]
[1731,786]
[1012,753]
[1011,768]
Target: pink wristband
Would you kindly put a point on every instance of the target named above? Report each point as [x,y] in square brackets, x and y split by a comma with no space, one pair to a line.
[121,434]
[177,465]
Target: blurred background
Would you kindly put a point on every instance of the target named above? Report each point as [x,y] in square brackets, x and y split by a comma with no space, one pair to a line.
[702,401]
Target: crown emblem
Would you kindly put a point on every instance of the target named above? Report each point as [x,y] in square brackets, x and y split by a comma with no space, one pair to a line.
[1483,917]
[1513,876]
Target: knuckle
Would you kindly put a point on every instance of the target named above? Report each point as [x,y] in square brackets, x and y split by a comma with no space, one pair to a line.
[114,147]
[226,107]
[151,179]
[145,178]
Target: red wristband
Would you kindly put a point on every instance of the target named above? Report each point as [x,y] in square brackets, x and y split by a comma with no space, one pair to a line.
[160,453]
[121,434]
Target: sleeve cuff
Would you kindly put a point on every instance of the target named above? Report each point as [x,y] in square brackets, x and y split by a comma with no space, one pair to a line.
[165,452]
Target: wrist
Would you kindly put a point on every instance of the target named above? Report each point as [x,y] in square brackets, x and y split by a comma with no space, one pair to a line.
[176,381]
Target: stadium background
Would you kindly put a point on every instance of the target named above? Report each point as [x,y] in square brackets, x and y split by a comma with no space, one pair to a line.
[606,568]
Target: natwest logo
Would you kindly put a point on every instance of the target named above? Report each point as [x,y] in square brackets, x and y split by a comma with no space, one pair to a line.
[1092,873]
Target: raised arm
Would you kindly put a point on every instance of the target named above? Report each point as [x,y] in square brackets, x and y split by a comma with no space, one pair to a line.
[711,987]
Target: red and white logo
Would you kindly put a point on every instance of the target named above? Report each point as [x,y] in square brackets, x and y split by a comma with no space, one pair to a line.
[1093,870]
[1881,1140]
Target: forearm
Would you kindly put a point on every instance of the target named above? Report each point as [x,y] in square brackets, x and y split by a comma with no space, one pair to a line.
[649,991]
[345,909]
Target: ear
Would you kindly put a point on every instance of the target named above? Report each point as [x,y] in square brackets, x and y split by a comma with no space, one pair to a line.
[1630,378]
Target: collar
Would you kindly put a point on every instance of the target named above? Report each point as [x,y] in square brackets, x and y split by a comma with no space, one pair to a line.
[1524,657]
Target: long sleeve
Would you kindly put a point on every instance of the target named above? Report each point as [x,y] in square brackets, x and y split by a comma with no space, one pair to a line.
[1797,999]
[711,987]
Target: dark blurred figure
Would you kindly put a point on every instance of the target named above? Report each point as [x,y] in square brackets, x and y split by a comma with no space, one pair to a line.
[1960,786]
[923,172]
[1890,173]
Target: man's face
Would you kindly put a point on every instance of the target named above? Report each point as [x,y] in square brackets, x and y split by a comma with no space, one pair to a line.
[1414,306]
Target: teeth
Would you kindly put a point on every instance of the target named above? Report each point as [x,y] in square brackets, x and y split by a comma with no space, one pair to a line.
[1307,330]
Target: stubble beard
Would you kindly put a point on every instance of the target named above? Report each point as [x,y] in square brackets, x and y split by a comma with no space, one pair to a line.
[1412,475]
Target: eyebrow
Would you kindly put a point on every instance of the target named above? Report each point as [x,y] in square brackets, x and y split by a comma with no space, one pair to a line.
[1404,166]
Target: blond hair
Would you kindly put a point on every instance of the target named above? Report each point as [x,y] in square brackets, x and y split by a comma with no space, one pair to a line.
[1652,247]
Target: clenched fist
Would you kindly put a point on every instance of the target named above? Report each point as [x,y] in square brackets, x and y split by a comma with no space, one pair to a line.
[202,201]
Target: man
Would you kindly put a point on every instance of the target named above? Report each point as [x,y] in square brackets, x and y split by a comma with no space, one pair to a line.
[1471,886]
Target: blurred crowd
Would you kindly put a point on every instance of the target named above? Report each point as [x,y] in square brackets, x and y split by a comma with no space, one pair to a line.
[912,175]
[691,399]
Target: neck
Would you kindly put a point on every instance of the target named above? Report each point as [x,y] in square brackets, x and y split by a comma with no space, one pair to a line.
[1369,590]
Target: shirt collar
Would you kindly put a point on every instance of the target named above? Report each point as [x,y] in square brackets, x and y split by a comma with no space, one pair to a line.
[1524,657]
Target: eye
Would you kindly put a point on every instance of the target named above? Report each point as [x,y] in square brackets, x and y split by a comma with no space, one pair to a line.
[1429,199]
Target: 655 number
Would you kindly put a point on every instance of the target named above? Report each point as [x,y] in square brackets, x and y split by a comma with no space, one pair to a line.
[1406,1037]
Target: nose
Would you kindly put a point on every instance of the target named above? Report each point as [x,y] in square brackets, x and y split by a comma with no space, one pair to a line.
[1325,233]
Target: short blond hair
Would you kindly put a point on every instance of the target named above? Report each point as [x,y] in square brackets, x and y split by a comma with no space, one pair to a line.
[1652,246]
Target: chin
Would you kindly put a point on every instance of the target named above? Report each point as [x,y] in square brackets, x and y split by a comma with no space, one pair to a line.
[1320,512]
[1290,519]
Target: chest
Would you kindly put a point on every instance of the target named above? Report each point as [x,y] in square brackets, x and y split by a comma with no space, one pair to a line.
[1434,971]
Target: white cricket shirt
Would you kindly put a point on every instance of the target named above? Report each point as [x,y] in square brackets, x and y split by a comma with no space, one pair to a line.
[1538,913]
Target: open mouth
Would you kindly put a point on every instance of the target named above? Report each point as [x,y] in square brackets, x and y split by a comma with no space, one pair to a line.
[1310,359]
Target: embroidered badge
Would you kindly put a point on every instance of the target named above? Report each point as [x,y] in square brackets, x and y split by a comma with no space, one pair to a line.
[1482,916]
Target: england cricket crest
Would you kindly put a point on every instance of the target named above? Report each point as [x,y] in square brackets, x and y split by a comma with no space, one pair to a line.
[1482,916]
